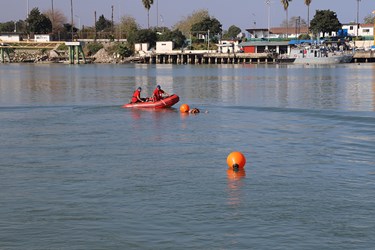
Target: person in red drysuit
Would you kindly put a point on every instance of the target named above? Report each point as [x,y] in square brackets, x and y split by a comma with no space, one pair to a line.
[137,96]
[158,94]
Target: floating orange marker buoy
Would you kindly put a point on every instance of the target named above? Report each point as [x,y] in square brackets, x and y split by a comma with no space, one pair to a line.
[184,108]
[236,160]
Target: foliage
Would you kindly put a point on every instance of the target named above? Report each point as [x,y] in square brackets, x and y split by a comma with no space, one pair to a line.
[176,36]
[147,4]
[292,22]
[325,21]
[196,45]
[103,23]
[185,24]
[211,24]
[369,19]
[285,4]
[127,26]
[307,3]
[38,23]
[62,47]
[143,36]
[66,32]
[304,37]
[232,32]
[57,19]
[7,27]
[93,48]
[124,51]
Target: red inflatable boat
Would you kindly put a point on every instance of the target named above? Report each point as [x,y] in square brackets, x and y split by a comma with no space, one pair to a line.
[164,103]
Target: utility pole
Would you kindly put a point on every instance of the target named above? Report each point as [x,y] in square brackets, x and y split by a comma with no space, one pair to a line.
[358,17]
[113,30]
[71,13]
[268,2]
[157,13]
[208,41]
[95,26]
[53,17]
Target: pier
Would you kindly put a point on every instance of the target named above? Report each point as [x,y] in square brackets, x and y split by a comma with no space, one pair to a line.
[189,57]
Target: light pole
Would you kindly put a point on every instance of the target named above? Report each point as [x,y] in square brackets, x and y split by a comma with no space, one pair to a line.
[53,16]
[71,13]
[374,27]
[27,9]
[157,13]
[358,17]
[268,2]
[208,41]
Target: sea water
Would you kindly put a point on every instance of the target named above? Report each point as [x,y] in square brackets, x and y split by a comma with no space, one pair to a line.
[77,171]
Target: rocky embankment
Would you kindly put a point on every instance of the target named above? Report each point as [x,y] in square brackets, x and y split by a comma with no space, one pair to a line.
[40,56]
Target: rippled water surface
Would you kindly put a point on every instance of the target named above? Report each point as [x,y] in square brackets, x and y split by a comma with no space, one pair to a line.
[77,171]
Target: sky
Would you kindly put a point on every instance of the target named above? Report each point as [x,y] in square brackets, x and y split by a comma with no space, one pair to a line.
[243,13]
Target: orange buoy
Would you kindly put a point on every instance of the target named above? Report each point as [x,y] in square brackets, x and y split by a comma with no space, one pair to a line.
[236,160]
[184,108]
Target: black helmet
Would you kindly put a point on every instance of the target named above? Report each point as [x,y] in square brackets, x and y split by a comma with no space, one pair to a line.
[139,88]
[158,86]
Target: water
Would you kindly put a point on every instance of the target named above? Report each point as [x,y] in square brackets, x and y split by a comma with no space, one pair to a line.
[77,171]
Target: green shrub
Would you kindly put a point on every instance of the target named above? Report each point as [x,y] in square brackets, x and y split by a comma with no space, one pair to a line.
[93,48]
[62,47]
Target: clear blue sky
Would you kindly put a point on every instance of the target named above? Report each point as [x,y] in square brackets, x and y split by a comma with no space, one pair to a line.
[242,13]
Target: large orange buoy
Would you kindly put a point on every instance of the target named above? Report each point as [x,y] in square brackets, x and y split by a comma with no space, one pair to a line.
[236,160]
[184,108]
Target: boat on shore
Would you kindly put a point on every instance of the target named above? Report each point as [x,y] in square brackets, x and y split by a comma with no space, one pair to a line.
[166,102]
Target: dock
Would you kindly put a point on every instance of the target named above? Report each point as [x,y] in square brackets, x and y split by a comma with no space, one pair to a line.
[188,57]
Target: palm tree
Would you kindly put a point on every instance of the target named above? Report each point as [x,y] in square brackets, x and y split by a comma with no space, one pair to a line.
[147,4]
[308,2]
[286,6]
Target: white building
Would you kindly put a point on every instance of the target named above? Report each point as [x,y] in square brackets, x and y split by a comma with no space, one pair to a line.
[360,30]
[10,37]
[228,46]
[164,46]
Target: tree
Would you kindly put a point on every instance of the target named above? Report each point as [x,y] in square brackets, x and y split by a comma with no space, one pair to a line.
[369,19]
[57,19]
[285,4]
[124,51]
[143,36]
[103,23]
[7,27]
[38,23]
[292,22]
[232,32]
[185,24]
[325,21]
[147,4]
[128,25]
[66,32]
[176,36]
[307,3]
[208,24]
